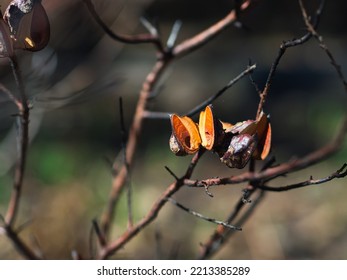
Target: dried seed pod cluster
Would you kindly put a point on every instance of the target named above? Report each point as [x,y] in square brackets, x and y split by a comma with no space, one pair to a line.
[234,144]
[25,26]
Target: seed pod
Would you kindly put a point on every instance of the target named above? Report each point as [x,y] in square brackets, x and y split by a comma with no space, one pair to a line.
[240,150]
[264,137]
[210,129]
[185,138]
[244,127]
[260,128]
[28,24]
[6,43]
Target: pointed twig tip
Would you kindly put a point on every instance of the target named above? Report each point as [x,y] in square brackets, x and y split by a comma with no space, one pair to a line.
[174,34]
[171,173]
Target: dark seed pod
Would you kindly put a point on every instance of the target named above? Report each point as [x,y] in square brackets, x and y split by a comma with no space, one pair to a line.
[6,43]
[240,150]
[28,24]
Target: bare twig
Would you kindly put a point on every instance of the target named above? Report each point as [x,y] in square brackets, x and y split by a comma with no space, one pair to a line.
[115,245]
[18,243]
[23,226]
[10,95]
[37,247]
[22,140]
[208,101]
[283,47]
[171,173]
[128,184]
[284,168]
[127,39]
[99,233]
[312,29]
[196,214]
[341,173]
[173,35]
[135,130]
[149,26]
[281,169]
[221,234]
[198,108]
[207,35]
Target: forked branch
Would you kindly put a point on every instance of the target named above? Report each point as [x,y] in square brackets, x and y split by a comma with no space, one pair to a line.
[166,56]
[258,179]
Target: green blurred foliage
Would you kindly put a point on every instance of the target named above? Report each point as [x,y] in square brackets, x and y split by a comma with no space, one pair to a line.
[53,164]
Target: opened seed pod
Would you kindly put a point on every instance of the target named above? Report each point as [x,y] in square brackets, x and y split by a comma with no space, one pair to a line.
[264,137]
[240,150]
[210,129]
[185,138]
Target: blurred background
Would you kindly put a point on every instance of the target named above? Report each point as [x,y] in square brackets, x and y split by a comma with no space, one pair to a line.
[75,84]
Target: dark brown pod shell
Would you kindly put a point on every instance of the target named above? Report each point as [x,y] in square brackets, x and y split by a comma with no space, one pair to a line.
[240,150]
[28,23]
[6,42]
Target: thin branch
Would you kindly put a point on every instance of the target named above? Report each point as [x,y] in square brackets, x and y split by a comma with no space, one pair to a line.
[147,88]
[255,85]
[23,226]
[38,248]
[157,115]
[10,95]
[219,237]
[208,34]
[341,173]
[166,115]
[150,27]
[99,233]
[112,247]
[283,47]
[128,184]
[312,158]
[171,173]
[221,234]
[312,29]
[171,41]
[281,169]
[127,39]
[22,139]
[208,101]
[151,80]
[20,246]
[196,214]
[134,133]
